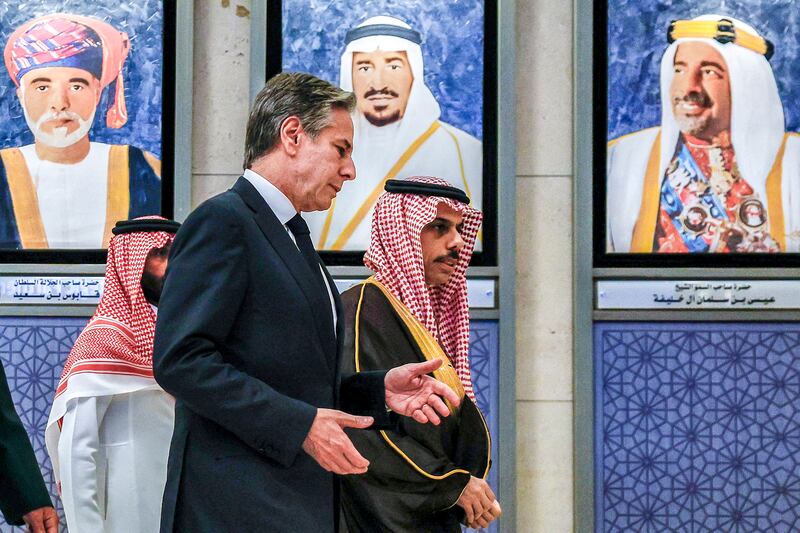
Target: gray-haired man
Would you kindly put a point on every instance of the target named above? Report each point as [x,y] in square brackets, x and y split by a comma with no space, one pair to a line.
[249,335]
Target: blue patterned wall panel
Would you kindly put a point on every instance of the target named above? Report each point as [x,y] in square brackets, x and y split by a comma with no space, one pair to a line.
[33,351]
[697,427]
[483,357]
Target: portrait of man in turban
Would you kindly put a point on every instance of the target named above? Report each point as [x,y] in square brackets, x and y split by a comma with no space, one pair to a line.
[713,165]
[67,188]
[418,81]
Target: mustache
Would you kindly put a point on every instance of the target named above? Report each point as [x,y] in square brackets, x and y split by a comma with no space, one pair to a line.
[452,254]
[700,98]
[385,91]
[59,115]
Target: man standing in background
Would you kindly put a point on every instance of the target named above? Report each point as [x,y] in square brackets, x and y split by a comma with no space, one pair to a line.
[110,426]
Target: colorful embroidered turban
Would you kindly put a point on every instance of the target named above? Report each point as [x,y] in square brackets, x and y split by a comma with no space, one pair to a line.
[66,40]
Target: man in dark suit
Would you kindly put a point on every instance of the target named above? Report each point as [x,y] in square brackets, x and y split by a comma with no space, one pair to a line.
[250,331]
[23,496]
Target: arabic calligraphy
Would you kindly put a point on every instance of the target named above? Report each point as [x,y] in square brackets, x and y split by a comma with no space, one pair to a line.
[729,293]
[52,290]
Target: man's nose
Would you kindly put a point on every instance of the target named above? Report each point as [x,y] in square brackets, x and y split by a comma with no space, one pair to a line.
[377,79]
[59,99]
[348,170]
[691,83]
[457,243]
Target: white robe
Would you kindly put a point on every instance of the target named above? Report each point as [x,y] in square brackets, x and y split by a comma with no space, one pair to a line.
[626,164]
[67,196]
[113,461]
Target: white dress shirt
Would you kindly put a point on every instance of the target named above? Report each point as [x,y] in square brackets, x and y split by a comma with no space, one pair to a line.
[285,211]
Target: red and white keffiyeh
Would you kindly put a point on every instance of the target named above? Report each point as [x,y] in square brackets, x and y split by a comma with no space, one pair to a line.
[114,353]
[395,255]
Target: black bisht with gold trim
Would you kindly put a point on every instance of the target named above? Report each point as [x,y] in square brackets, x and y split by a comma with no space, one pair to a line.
[417,471]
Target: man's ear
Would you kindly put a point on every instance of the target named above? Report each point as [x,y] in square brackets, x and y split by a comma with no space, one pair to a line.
[291,132]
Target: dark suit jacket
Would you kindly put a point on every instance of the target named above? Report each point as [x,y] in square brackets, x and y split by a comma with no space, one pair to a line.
[244,344]
[21,485]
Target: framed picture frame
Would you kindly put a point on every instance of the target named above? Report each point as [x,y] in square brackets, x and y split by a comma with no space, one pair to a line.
[88,97]
[694,150]
[442,116]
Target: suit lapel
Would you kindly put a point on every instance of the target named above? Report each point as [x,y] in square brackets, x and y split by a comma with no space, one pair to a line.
[276,234]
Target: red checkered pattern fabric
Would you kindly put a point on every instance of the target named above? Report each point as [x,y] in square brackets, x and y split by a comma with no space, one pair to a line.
[119,337]
[395,255]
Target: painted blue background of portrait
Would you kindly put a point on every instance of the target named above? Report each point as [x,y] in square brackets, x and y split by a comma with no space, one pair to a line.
[143,21]
[637,38]
[452,46]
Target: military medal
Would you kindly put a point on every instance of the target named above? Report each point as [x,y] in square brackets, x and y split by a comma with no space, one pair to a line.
[694,218]
[751,214]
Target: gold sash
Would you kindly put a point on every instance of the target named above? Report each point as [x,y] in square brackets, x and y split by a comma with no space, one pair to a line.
[26,202]
[428,345]
[430,350]
[645,228]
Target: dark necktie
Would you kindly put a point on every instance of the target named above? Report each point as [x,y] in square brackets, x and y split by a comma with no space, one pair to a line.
[302,237]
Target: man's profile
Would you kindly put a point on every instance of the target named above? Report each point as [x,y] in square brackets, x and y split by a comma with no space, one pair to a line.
[64,190]
[397,131]
[720,174]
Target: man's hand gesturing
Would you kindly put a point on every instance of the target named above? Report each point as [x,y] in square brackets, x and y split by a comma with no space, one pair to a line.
[329,445]
[410,392]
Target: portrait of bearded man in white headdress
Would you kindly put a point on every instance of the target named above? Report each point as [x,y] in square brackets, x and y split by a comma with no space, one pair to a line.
[720,154]
[397,131]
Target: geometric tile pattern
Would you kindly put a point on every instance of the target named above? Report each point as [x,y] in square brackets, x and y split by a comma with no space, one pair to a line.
[697,427]
[483,359]
[33,351]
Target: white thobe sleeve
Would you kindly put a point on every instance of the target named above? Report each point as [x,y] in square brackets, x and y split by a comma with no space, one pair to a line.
[79,455]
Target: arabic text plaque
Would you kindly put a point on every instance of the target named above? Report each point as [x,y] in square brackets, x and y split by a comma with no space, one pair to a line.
[701,294]
[50,290]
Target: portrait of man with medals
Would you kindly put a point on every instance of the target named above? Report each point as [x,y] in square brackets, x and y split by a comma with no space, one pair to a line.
[720,174]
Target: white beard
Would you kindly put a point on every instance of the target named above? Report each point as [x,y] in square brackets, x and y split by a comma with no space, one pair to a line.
[59,137]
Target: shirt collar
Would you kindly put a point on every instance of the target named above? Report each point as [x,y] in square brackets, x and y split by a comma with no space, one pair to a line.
[276,200]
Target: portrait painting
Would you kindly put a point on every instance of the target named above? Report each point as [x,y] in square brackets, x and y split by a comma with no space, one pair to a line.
[417,71]
[82,103]
[702,154]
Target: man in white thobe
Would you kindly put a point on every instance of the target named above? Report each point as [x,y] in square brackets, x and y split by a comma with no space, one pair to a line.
[397,131]
[110,426]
